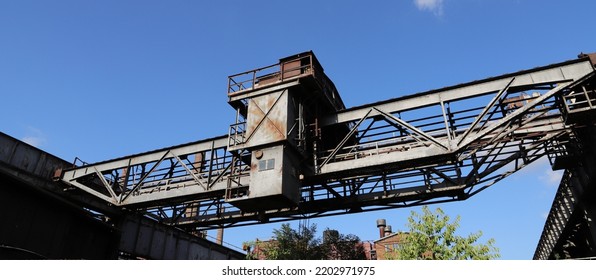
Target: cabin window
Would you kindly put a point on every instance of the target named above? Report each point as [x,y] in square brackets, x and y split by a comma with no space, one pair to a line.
[266,164]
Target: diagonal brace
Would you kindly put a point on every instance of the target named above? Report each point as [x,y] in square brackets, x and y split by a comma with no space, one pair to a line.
[485,110]
[194,176]
[412,128]
[265,116]
[105,183]
[138,185]
[345,140]
[332,191]
[444,176]
[515,114]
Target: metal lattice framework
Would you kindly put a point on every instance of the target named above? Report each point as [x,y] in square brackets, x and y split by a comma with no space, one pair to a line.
[437,146]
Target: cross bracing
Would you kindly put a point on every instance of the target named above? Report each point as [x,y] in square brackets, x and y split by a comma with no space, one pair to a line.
[437,146]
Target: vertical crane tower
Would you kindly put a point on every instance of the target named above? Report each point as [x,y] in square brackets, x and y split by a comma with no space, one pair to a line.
[276,132]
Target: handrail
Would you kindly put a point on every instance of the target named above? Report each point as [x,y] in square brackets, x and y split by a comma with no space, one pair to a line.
[236,134]
[283,71]
[579,101]
[249,80]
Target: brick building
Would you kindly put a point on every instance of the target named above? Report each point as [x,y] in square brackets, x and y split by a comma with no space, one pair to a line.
[387,242]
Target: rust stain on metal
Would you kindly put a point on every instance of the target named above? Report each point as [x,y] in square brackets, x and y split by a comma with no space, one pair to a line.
[291,69]
[266,119]
[274,128]
[57,174]
[267,80]
[270,102]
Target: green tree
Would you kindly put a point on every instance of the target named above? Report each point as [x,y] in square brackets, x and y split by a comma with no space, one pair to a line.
[294,244]
[287,244]
[337,246]
[432,236]
[302,244]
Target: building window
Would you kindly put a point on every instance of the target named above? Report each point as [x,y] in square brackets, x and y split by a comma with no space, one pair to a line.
[266,164]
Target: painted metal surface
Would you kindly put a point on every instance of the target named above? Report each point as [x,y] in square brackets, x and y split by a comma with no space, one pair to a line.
[267,120]
[171,173]
[568,71]
[145,238]
[279,185]
[27,158]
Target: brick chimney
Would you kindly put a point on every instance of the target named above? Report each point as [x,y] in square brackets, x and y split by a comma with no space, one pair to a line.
[387,231]
[381,224]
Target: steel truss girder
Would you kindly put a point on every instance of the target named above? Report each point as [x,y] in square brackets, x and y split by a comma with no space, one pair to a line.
[160,176]
[558,218]
[416,131]
[555,77]
[563,72]
[496,155]
[516,122]
[368,194]
[396,170]
[485,111]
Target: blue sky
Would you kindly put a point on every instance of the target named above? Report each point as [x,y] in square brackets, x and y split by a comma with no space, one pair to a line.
[104,79]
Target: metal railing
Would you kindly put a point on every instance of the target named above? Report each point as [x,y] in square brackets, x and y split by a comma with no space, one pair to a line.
[236,134]
[268,75]
[284,71]
[579,101]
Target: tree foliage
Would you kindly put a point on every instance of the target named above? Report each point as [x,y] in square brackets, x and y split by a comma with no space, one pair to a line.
[337,246]
[302,244]
[291,244]
[432,236]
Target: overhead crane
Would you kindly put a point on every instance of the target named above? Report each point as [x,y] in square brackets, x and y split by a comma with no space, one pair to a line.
[295,151]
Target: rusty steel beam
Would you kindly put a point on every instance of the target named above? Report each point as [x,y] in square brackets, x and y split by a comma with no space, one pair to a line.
[388,149]
[562,72]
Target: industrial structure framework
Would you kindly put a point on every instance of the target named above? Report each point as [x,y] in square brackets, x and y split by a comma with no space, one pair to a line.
[41,221]
[295,152]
